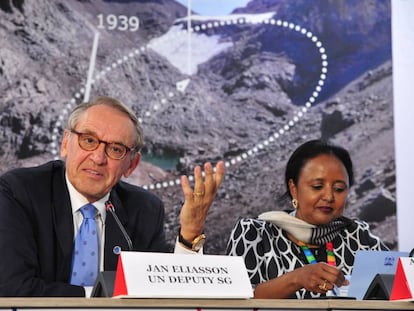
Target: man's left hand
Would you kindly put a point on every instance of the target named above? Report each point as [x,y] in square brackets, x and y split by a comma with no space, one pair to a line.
[198,201]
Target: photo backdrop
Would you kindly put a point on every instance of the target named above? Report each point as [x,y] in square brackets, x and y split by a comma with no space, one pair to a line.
[403,64]
[246,86]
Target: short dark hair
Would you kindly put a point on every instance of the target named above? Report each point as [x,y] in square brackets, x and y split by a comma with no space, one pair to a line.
[310,150]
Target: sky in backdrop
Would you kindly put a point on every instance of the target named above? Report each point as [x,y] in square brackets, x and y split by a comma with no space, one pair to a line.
[213,7]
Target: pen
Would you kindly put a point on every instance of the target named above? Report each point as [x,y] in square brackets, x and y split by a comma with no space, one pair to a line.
[335,290]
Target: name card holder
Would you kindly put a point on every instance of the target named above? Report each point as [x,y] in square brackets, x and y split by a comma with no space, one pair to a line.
[403,287]
[166,275]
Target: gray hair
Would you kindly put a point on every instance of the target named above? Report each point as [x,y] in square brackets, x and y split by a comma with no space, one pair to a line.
[114,103]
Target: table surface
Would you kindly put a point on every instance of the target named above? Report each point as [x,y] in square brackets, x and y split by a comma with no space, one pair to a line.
[140,303]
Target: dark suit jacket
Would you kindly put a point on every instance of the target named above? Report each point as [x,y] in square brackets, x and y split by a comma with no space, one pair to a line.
[36,230]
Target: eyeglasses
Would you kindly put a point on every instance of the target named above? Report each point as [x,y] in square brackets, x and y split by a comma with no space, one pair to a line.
[90,142]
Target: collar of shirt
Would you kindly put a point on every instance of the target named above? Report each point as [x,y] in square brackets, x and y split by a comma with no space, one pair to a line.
[77,200]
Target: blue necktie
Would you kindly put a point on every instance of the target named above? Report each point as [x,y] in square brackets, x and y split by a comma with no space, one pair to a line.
[85,253]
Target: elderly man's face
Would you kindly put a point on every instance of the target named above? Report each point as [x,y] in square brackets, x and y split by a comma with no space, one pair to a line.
[93,173]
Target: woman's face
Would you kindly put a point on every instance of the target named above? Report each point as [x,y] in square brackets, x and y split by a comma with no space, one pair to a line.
[321,190]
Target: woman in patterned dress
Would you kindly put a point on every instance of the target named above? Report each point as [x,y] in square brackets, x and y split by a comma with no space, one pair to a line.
[308,251]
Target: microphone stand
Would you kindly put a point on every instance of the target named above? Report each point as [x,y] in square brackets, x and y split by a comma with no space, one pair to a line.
[110,207]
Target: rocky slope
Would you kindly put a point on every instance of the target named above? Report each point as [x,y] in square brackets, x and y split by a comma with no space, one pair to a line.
[237,101]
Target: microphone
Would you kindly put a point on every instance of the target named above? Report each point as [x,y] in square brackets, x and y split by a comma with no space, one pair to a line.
[110,207]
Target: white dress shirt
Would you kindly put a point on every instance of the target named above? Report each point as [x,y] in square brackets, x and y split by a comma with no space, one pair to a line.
[77,200]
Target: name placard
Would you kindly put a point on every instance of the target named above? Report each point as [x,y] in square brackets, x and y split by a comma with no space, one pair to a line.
[166,275]
[403,287]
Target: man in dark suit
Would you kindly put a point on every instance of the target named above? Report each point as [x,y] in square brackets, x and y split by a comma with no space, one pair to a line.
[40,206]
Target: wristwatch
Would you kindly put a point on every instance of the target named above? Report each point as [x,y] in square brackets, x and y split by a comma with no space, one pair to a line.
[196,244]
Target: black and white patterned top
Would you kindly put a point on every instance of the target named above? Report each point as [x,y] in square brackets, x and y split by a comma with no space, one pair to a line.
[268,253]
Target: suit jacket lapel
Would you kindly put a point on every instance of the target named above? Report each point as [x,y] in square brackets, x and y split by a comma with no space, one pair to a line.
[63,221]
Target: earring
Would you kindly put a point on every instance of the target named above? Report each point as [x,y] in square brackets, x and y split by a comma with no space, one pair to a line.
[295,203]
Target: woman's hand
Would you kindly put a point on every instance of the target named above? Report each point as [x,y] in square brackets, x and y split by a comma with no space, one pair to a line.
[317,278]
[321,277]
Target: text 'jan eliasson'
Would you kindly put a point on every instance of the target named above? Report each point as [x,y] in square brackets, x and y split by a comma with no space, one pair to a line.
[188,274]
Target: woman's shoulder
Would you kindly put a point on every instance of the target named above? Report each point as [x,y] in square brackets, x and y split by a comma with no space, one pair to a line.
[250,223]
[254,234]
[360,232]
[358,225]
[255,228]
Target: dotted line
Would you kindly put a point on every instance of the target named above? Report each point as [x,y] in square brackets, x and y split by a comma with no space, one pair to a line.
[298,114]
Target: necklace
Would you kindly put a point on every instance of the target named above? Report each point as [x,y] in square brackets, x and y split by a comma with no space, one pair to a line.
[311,258]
